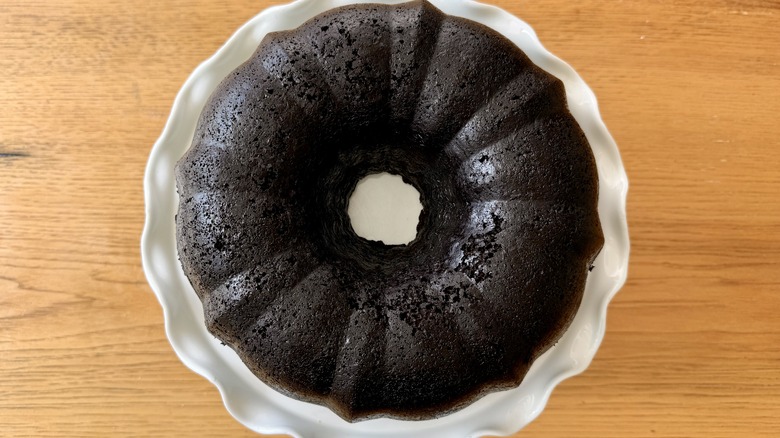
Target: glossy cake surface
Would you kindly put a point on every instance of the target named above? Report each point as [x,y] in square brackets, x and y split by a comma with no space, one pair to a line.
[508,231]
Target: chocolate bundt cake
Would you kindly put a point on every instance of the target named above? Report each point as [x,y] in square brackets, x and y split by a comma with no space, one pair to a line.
[508,231]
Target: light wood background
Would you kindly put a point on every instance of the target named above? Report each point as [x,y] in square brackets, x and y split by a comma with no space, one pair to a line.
[690,90]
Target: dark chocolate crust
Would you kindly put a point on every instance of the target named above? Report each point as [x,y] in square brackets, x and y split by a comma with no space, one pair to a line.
[508,231]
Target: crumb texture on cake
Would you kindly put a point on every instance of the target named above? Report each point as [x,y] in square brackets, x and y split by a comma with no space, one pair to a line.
[508,231]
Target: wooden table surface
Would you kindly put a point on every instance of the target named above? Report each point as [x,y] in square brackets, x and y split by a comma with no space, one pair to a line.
[689,89]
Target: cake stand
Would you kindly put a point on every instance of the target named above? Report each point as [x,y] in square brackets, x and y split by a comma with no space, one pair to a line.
[264,410]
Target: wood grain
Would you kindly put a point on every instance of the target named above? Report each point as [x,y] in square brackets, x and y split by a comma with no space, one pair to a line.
[690,90]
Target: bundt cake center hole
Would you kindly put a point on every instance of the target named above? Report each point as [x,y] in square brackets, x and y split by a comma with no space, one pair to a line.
[385,209]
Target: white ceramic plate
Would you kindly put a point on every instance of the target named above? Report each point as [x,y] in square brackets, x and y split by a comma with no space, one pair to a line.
[264,410]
